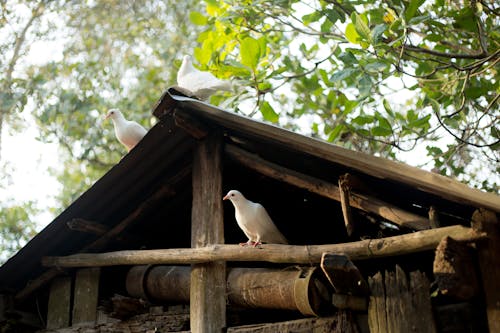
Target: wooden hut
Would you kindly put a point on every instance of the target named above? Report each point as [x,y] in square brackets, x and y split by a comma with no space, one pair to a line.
[375,245]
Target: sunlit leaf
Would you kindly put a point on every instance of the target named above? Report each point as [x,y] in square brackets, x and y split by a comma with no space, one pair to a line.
[268,112]
[250,52]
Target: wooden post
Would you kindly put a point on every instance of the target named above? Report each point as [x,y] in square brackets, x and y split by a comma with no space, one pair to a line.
[85,296]
[208,280]
[398,304]
[59,307]
[345,193]
[489,263]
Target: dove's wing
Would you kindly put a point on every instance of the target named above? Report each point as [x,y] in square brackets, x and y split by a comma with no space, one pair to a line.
[266,229]
[199,83]
[130,133]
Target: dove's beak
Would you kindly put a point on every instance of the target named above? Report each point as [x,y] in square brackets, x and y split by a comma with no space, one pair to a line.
[107,116]
[225,197]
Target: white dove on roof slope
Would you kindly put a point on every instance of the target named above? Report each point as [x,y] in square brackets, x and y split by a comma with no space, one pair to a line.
[254,220]
[200,84]
[129,133]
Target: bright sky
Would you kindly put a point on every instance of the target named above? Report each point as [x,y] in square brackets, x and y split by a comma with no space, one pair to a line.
[29,180]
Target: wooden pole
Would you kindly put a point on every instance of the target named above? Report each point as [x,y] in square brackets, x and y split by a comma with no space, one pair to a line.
[345,193]
[208,279]
[489,263]
[326,189]
[311,254]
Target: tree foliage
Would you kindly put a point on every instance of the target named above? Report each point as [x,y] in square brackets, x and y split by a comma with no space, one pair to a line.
[109,53]
[381,76]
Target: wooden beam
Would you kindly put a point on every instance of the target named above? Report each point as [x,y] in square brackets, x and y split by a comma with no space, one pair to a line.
[86,226]
[341,322]
[86,296]
[455,269]
[59,305]
[489,263]
[40,281]
[191,125]
[434,217]
[208,280]
[311,254]
[345,193]
[343,275]
[161,194]
[326,189]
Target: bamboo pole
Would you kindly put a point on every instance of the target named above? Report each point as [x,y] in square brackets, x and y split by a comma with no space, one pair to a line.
[326,189]
[299,254]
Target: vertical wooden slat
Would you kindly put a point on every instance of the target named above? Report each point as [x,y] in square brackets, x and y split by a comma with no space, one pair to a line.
[58,309]
[208,281]
[85,296]
[489,263]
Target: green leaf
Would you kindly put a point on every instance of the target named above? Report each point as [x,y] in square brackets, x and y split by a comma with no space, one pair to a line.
[388,107]
[363,120]
[376,67]
[381,131]
[377,32]
[351,34]
[250,52]
[412,8]
[361,25]
[335,133]
[268,112]
[343,74]
[198,18]
[313,17]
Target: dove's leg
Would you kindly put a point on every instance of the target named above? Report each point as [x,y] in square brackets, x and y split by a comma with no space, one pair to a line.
[249,242]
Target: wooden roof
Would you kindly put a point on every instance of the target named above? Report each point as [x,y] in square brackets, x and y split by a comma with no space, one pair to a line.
[152,185]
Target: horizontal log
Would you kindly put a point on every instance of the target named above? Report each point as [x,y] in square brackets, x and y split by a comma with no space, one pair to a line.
[315,185]
[276,253]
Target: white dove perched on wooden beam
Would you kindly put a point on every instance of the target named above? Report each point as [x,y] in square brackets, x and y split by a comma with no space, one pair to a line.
[254,220]
[201,84]
[129,133]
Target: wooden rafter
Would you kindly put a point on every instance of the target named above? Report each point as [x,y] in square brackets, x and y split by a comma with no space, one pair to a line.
[326,189]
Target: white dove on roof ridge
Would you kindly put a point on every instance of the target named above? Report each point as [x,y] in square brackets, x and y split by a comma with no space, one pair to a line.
[254,220]
[201,84]
[128,132]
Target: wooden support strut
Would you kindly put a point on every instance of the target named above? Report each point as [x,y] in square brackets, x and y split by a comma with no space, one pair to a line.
[326,189]
[345,193]
[208,279]
[311,254]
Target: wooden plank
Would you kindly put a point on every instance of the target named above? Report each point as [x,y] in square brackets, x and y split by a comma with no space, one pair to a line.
[343,275]
[85,297]
[489,263]
[400,304]
[326,189]
[377,319]
[59,306]
[86,226]
[341,322]
[208,280]
[455,270]
[429,182]
[299,254]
